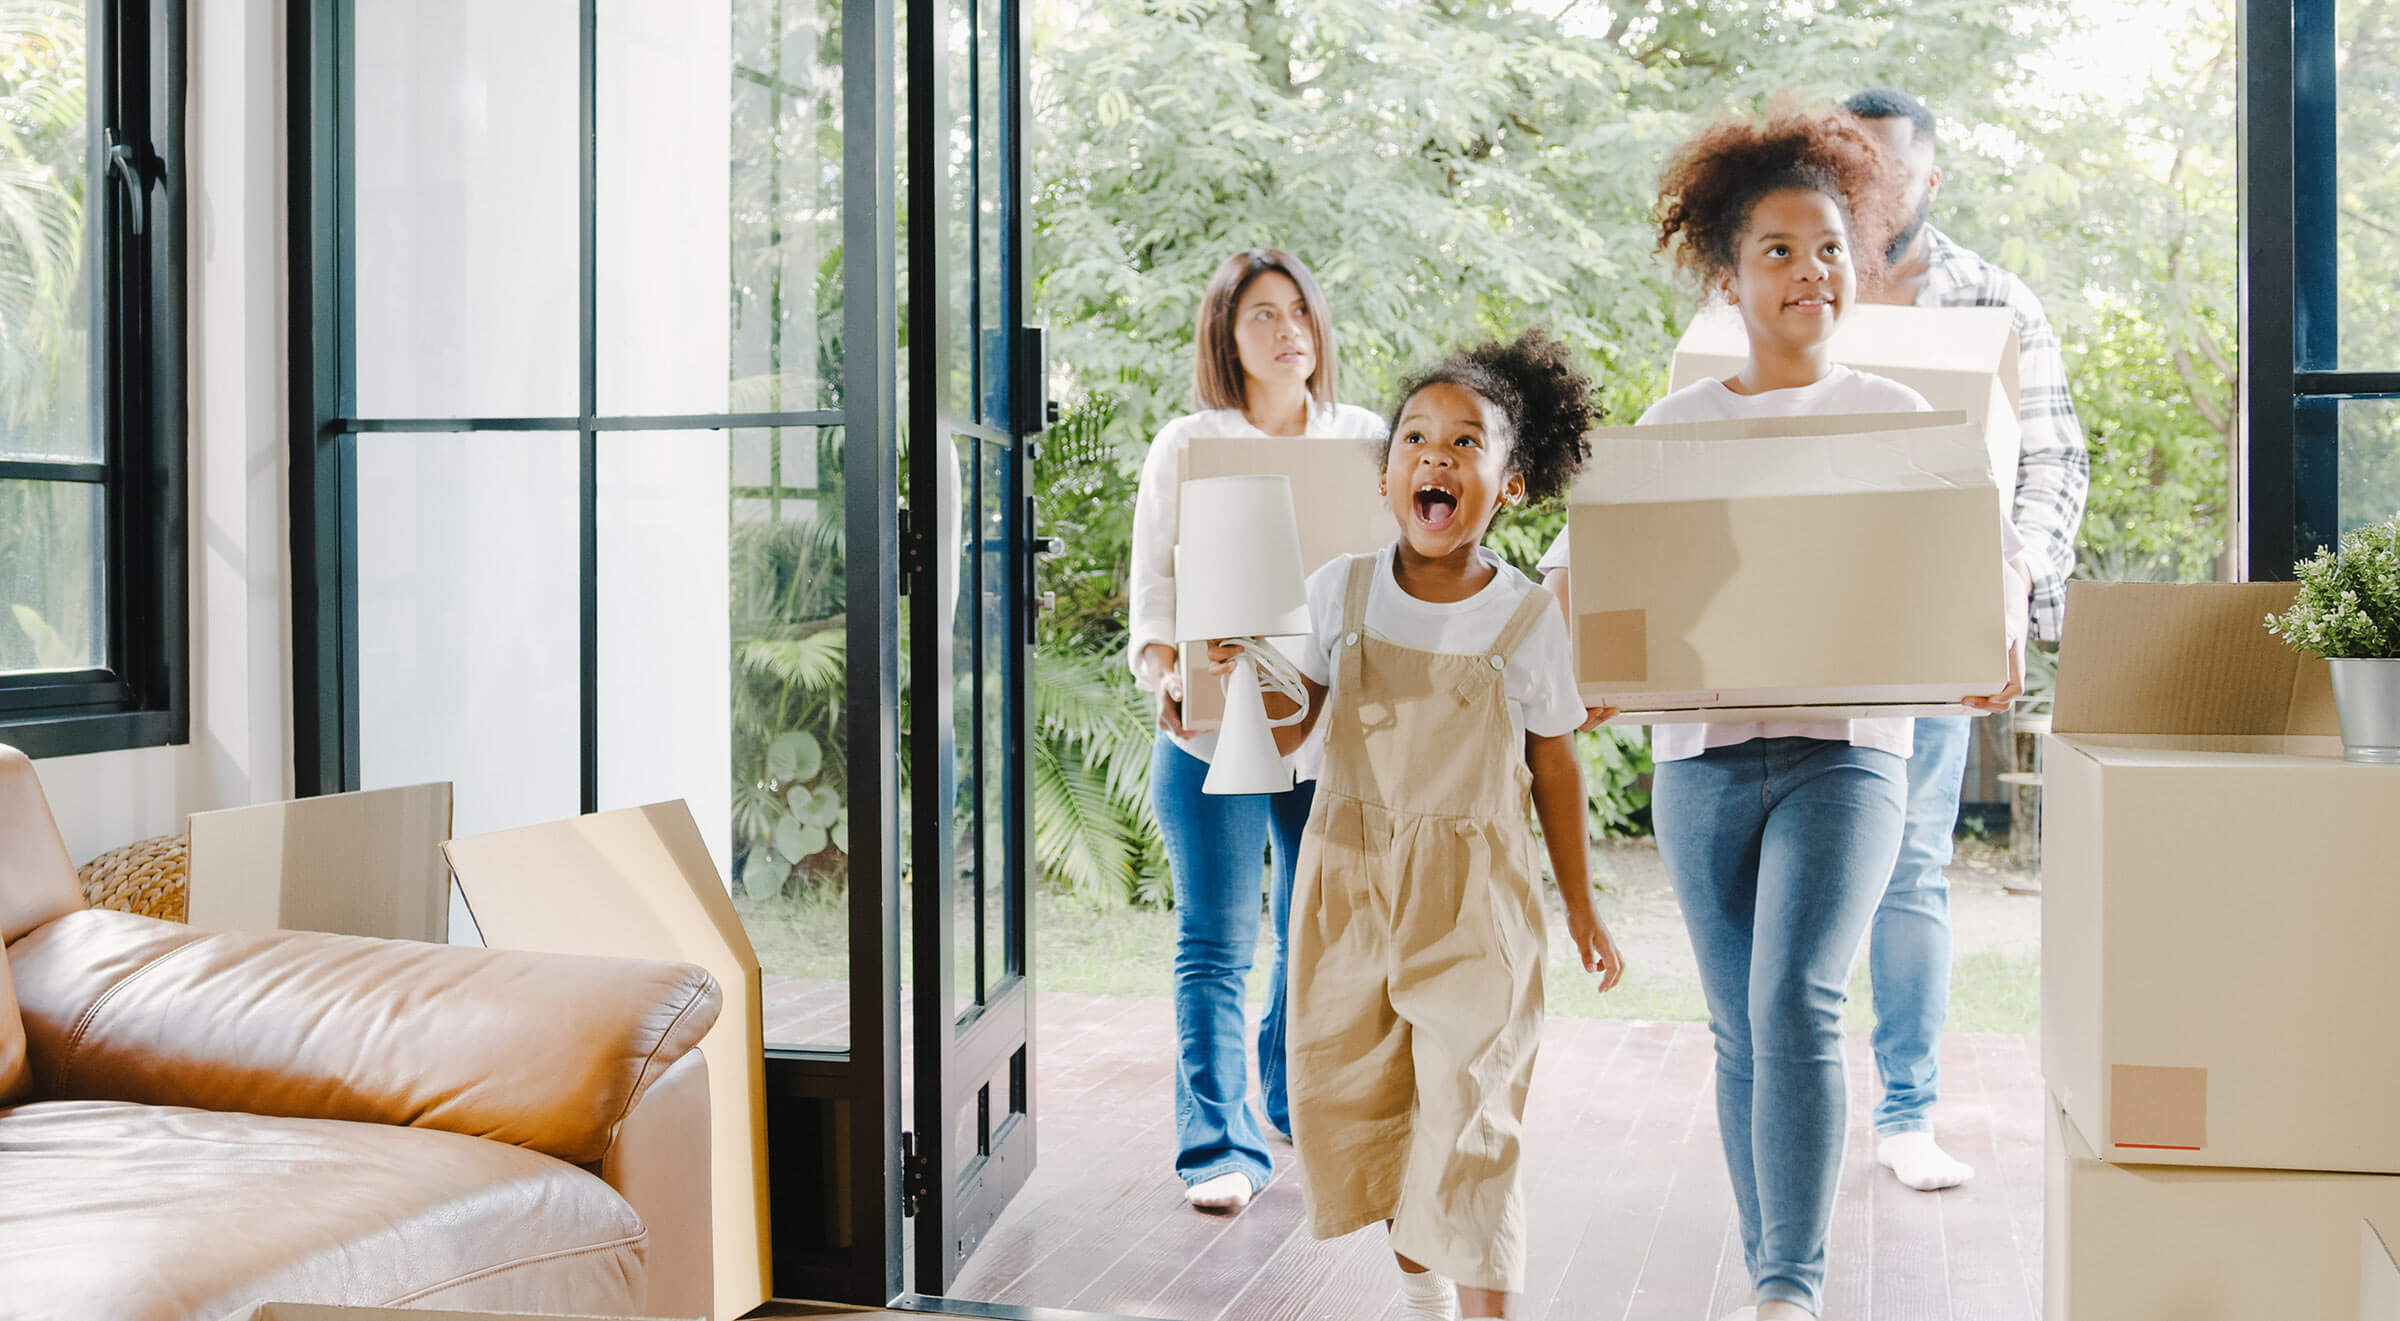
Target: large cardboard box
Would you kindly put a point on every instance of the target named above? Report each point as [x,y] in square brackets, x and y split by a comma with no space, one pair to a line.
[2218,894]
[2148,1243]
[638,883]
[1821,567]
[1962,358]
[1333,491]
[355,864]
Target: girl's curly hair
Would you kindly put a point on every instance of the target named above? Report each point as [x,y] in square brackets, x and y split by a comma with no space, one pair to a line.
[1713,182]
[1547,402]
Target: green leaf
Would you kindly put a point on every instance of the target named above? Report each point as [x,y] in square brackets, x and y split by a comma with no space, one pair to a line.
[788,838]
[763,874]
[795,755]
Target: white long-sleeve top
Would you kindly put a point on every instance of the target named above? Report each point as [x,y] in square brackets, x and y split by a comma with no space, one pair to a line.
[1150,587]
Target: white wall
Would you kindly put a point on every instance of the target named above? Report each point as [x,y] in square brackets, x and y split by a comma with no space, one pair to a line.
[241,748]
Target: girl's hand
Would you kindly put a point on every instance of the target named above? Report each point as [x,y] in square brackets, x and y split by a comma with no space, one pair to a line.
[1221,655]
[1594,717]
[1594,945]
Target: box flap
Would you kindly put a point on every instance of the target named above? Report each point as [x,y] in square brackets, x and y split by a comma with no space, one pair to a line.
[2184,658]
[1874,337]
[1774,457]
[2378,1276]
[354,864]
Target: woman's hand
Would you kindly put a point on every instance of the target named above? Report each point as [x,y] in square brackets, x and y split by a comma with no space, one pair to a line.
[2001,701]
[1158,675]
[1594,945]
[1594,717]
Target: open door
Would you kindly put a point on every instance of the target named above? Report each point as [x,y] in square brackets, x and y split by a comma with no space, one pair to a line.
[975,403]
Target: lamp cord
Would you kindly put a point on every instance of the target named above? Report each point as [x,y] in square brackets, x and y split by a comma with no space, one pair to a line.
[1276,674]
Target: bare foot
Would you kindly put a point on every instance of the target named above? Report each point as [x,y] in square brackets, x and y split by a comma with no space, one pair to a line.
[1226,1192]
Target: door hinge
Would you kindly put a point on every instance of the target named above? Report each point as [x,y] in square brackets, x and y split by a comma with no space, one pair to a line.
[916,1177]
[910,549]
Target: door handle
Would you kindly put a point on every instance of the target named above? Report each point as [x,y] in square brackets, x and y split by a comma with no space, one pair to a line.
[126,169]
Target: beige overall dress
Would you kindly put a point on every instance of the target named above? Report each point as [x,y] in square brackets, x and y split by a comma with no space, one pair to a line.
[1417,939]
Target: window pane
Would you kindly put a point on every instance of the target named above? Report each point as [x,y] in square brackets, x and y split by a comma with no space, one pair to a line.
[45,303]
[958,216]
[790,821]
[2367,162]
[465,207]
[2370,447]
[992,257]
[469,622]
[52,611]
[720,206]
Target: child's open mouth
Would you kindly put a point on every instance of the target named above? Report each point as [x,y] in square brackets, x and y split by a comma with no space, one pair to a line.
[1435,506]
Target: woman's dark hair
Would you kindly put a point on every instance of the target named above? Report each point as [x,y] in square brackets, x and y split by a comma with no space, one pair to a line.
[1713,182]
[1217,375]
[1547,402]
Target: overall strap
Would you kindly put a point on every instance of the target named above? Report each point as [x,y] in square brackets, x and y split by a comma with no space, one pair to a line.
[1520,625]
[1354,618]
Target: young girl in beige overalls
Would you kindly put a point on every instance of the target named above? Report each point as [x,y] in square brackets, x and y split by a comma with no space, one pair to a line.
[1417,931]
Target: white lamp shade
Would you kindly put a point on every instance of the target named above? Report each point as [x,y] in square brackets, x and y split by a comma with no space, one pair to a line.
[1237,563]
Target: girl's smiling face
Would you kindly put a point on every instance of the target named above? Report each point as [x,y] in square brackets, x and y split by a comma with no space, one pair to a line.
[1447,471]
[1793,277]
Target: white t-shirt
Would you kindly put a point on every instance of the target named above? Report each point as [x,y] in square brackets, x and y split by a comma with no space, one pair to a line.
[1150,586]
[1539,680]
[1843,390]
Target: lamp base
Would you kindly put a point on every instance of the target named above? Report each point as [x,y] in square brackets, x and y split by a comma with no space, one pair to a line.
[1246,761]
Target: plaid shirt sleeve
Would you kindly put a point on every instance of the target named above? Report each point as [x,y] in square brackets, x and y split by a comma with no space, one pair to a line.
[2054,469]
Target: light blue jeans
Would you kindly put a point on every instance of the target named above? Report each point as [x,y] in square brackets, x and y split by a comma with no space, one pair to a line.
[1217,850]
[1908,950]
[1779,850]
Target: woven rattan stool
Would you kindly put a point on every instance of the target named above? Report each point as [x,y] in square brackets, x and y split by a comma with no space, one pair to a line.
[147,877]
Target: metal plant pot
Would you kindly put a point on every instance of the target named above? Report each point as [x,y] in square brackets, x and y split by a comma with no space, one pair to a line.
[2366,693]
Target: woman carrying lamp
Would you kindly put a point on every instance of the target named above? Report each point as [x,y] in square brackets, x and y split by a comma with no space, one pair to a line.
[1264,365]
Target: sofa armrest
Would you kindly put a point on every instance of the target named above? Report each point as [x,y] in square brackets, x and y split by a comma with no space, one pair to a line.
[545,1051]
[660,1165]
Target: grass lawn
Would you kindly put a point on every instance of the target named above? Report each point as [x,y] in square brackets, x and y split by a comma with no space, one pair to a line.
[1130,951]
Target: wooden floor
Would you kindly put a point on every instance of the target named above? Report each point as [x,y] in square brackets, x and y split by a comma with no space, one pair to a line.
[1626,1192]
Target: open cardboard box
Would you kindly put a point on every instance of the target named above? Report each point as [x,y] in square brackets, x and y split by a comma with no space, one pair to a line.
[1815,567]
[329,1312]
[2148,1243]
[2218,897]
[355,864]
[638,883]
[1333,491]
[1962,358]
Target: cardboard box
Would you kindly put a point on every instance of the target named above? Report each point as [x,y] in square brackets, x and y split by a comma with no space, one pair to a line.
[1962,358]
[2218,896]
[356,864]
[1333,489]
[1820,567]
[638,883]
[329,1312]
[2147,1243]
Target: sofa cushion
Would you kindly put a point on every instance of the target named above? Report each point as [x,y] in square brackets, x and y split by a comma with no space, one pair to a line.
[548,1051]
[159,1213]
[15,1080]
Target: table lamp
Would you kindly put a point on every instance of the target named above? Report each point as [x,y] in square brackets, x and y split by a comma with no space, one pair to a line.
[1242,582]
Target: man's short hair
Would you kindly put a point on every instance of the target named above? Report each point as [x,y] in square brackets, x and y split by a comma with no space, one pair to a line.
[1891,103]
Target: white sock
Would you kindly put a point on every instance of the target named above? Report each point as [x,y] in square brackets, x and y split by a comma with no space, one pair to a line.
[1921,1163]
[1427,1295]
[1226,1192]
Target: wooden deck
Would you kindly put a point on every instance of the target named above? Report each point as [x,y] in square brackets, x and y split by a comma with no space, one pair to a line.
[1626,1193]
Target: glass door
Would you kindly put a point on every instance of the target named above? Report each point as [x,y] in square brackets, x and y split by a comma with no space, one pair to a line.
[974,405]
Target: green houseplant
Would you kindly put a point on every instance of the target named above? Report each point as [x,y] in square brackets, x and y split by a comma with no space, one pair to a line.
[2348,611]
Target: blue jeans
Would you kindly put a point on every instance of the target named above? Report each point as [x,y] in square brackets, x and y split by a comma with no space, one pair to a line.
[1908,952]
[1215,849]
[1778,850]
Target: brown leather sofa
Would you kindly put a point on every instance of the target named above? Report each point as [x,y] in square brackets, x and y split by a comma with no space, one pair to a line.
[194,1121]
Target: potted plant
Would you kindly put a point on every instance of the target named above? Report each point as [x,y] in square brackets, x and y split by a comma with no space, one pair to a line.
[2348,611]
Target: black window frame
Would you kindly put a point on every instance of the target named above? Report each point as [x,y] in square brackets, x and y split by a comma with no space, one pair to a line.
[2291,285]
[140,696]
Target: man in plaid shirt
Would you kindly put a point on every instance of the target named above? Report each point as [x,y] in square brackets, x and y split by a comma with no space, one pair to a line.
[1908,952]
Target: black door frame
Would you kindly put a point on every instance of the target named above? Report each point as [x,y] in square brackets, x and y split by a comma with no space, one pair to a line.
[832,1116]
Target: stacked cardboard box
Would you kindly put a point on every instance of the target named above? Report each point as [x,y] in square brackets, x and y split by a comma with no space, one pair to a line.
[2218,906]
